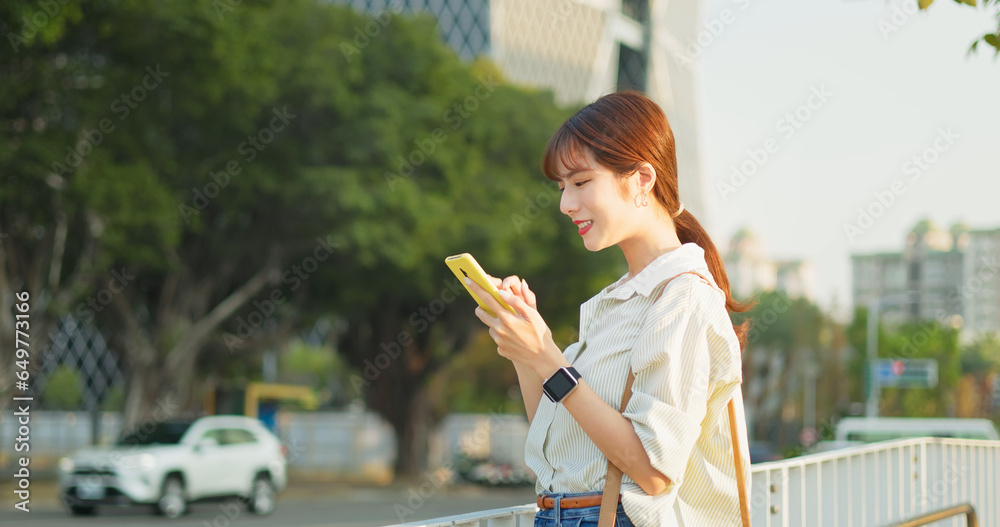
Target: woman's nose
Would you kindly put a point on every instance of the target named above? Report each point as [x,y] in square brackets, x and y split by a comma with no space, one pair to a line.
[567,204]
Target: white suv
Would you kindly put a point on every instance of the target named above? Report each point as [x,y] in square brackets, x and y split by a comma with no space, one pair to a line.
[169,464]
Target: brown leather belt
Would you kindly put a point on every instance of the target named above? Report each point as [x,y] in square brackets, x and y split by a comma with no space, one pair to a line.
[571,502]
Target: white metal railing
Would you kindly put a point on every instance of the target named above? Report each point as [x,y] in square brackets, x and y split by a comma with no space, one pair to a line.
[865,486]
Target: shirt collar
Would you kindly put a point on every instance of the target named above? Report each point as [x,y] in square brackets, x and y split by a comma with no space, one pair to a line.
[687,257]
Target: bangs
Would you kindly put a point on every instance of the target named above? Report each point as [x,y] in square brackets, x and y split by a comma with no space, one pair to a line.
[567,149]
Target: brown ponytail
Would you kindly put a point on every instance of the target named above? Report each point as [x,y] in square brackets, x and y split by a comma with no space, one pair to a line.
[624,130]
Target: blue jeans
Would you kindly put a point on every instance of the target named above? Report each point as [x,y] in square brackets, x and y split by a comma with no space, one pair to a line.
[578,517]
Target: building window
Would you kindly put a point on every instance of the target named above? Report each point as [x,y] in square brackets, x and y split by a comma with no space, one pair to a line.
[631,69]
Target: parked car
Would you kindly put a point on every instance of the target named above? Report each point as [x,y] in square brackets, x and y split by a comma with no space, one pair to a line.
[172,463]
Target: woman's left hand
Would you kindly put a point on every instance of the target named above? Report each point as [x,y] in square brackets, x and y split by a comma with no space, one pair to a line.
[524,337]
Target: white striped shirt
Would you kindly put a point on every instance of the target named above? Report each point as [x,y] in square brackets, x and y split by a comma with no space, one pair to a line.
[686,359]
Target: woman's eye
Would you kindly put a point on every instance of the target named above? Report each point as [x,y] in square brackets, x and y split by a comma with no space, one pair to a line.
[578,184]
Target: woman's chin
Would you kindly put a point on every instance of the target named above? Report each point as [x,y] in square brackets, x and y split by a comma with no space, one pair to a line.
[593,245]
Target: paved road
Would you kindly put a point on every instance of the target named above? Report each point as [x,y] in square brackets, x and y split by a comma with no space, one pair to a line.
[321,505]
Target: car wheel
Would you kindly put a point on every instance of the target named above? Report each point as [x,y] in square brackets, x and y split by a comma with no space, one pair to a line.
[82,510]
[263,497]
[172,503]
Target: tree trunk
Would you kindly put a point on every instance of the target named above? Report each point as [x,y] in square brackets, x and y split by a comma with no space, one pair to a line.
[395,359]
[412,427]
[150,397]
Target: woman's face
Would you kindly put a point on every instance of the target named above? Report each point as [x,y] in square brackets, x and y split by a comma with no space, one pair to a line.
[592,199]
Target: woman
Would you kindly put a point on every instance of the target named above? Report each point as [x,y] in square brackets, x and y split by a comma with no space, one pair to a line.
[615,164]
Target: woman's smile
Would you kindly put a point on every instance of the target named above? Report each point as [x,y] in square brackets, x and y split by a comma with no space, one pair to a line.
[585,226]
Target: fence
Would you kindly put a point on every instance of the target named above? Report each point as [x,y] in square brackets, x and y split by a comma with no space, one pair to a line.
[871,485]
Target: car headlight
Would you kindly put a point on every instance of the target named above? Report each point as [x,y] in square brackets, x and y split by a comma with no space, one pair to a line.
[66,464]
[139,461]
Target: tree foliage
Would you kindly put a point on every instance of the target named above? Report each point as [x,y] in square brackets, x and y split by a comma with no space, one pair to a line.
[248,168]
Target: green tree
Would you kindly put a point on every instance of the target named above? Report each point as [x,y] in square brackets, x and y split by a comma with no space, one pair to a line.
[981,361]
[62,391]
[263,169]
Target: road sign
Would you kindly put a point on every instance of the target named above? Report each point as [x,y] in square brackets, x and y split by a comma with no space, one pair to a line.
[906,373]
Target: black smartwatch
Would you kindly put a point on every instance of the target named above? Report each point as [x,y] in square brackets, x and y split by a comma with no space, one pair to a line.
[561,383]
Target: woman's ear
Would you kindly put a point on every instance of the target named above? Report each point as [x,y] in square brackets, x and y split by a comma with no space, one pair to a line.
[647,177]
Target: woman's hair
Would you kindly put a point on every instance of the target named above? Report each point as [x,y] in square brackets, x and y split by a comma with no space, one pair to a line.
[624,130]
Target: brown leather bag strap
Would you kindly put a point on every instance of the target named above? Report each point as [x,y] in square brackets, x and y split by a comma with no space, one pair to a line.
[613,482]
[738,464]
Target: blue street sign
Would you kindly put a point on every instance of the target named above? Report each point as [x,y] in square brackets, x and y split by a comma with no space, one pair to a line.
[909,373]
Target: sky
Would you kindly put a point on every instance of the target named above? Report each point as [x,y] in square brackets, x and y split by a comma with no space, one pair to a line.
[894,85]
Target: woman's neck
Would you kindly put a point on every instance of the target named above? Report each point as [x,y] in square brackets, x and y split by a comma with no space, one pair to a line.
[649,245]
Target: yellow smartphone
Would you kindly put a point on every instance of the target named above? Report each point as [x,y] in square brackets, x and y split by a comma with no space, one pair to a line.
[465,265]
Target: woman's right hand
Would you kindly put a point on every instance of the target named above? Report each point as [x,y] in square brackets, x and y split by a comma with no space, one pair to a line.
[517,286]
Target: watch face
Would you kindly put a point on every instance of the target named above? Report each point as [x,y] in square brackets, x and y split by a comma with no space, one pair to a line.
[559,384]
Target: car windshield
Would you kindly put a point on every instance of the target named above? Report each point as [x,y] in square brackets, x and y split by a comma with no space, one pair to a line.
[166,433]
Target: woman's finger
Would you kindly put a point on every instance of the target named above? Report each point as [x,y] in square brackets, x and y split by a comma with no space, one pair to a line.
[484,296]
[480,314]
[521,307]
[512,283]
[528,294]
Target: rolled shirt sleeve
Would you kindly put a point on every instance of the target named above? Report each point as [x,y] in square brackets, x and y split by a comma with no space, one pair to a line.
[672,364]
